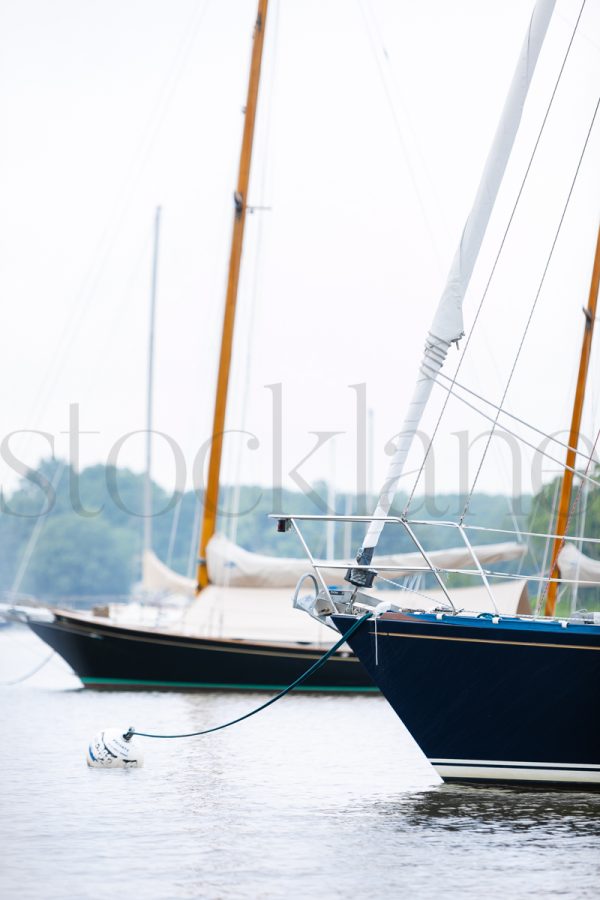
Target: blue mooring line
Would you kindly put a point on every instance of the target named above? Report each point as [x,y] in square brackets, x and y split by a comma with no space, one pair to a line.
[132,731]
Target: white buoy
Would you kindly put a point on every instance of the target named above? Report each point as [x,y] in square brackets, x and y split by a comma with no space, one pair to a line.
[111,750]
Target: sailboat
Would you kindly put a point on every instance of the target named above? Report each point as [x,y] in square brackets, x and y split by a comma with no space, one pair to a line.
[194,654]
[488,697]
[239,632]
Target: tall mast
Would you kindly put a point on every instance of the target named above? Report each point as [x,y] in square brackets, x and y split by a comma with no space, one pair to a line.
[150,390]
[211,494]
[562,519]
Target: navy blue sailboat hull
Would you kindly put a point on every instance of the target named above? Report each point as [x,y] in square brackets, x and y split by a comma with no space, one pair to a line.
[491,700]
[106,655]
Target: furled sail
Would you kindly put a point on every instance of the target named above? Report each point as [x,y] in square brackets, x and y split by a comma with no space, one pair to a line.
[447,325]
[157,578]
[576,566]
[232,566]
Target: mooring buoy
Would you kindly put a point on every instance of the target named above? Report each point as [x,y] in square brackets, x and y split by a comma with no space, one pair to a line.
[114,749]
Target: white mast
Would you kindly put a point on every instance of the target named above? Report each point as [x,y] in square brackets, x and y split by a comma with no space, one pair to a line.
[150,391]
[447,326]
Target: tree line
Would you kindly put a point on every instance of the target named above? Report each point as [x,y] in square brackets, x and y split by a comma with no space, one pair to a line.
[68,534]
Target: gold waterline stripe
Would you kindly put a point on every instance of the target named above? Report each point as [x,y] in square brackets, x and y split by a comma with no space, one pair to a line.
[439,637]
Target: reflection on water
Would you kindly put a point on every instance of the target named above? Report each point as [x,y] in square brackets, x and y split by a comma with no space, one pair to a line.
[319,796]
[463,807]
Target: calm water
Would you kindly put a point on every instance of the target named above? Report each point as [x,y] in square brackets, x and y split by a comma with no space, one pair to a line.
[316,797]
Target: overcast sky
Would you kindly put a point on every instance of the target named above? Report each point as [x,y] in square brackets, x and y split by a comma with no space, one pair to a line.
[374,122]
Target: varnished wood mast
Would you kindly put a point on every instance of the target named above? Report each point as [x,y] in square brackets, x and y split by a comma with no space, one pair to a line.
[211,495]
[562,519]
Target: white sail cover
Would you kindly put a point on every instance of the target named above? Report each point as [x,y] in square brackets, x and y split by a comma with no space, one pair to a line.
[576,566]
[157,578]
[511,598]
[447,325]
[266,614]
[232,566]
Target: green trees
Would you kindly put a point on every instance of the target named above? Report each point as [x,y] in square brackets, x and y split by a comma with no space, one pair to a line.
[78,539]
[584,515]
[584,518]
[88,557]
[88,540]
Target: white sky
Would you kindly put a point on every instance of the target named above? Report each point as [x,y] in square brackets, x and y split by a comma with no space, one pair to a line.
[375,118]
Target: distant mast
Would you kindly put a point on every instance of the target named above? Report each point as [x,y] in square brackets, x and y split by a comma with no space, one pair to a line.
[562,517]
[150,390]
[211,494]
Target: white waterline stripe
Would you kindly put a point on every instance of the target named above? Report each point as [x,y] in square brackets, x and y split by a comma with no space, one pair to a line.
[590,767]
[490,775]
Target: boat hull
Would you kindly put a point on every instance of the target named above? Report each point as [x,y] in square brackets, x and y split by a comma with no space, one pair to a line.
[105,655]
[508,701]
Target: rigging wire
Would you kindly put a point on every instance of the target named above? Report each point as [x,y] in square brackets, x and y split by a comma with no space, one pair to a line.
[86,292]
[94,359]
[258,263]
[532,310]
[113,323]
[34,537]
[193,551]
[370,27]
[519,437]
[498,254]
[593,407]
[29,674]
[548,540]
[516,418]
[535,534]
[572,509]
[173,530]
[511,486]
[584,494]
[410,590]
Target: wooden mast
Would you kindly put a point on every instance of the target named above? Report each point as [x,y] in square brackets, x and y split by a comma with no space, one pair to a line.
[562,519]
[211,494]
